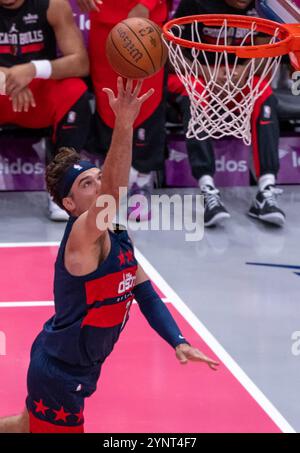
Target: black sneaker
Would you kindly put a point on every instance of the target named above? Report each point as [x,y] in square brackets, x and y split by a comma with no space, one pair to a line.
[264,206]
[214,210]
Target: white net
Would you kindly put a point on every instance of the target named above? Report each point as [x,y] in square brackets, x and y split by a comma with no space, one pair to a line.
[222,88]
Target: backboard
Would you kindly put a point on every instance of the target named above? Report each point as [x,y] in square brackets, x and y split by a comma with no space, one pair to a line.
[284,11]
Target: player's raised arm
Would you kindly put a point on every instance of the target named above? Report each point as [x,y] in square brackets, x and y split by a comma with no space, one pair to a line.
[126,106]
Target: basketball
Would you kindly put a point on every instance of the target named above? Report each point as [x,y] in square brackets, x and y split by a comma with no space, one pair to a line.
[135,48]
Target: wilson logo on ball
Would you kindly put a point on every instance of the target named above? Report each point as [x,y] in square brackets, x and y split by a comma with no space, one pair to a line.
[135,48]
[135,54]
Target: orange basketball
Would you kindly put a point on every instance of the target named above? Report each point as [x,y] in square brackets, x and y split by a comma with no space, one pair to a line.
[135,48]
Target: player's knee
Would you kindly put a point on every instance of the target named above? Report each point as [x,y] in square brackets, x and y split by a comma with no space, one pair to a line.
[15,424]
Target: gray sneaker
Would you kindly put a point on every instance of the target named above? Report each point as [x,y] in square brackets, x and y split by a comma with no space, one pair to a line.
[214,210]
[265,207]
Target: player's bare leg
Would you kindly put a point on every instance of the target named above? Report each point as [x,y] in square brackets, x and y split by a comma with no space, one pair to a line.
[15,423]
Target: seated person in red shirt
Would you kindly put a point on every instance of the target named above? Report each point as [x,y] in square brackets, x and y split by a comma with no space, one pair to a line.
[42,89]
[149,128]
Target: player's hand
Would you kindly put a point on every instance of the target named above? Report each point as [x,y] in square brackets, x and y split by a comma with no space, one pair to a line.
[185,352]
[139,11]
[19,77]
[86,6]
[22,101]
[127,105]
[2,82]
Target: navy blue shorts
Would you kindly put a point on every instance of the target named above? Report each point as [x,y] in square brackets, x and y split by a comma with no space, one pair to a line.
[56,393]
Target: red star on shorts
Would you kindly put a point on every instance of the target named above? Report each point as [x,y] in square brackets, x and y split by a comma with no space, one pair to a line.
[79,415]
[40,407]
[121,258]
[61,414]
[129,256]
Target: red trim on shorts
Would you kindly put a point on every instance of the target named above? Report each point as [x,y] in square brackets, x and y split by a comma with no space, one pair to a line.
[6,49]
[39,426]
[32,48]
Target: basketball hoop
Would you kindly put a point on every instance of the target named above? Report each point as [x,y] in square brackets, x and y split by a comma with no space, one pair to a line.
[223,81]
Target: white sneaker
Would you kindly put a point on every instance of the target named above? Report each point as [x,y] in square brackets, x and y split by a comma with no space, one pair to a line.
[55,212]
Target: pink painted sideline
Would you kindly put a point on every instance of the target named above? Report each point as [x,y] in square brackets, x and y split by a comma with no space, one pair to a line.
[142,388]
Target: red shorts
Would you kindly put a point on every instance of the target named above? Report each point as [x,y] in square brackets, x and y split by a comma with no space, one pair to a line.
[57,392]
[54,98]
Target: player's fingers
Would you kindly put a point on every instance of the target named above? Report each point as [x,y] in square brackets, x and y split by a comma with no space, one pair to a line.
[181,357]
[210,362]
[26,101]
[137,89]
[213,366]
[2,83]
[129,84]
[14,91]
[14,102]
[197,355]
[20,102]
[110,94]
[147,95]
[31,98]
[120,86]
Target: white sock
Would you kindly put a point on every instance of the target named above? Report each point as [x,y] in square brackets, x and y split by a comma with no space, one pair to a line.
[266,180]
[206,180]
[133,175]
[144,179]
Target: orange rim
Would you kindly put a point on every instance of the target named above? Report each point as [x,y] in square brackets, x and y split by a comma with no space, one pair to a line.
[288,35]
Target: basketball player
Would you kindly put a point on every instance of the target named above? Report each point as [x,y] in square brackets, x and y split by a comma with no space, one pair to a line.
[265,127]
[149,128]
[96,278]
[42,89]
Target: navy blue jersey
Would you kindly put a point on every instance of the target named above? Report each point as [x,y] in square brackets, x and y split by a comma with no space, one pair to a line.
[91,310]
[25,34]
